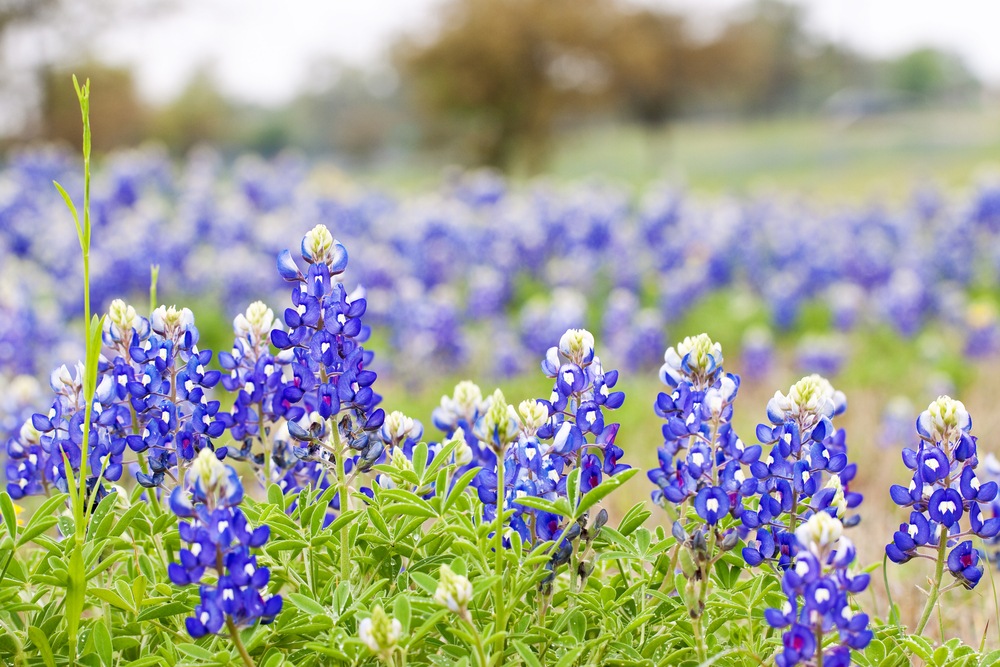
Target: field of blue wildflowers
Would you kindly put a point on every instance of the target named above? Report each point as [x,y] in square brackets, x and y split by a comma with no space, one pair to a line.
[251,492]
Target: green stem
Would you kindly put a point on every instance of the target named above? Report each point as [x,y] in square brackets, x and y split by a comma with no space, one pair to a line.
[699,638]
[343,491]
[935,591]
[498,597]
[235,634]
[477,642]
[819,645]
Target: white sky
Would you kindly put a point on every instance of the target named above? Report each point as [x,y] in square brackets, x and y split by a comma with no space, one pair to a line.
[262,49]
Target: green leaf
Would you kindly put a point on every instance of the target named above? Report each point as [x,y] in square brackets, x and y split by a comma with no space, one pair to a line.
[102,642]
[526,654]
[459,487]
[401,612]
[573,491]
[602,490]
[419,459]
[425,581]
[577,625]
[196,652]
[9,515]
[147,661]
[76,590]
[634,518]
[111,598]
[163,610]
[375,517]
[72,209]
[306,604]
[41,642]
[275,496]
[538,504]
[36,527]
[126,519]
[571,656]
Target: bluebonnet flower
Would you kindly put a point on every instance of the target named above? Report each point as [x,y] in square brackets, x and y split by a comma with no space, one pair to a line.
[944,489]
[818,588]
[806,470]
[36,454]
[167,384]
[701,457]
[220,539]
[255,376]
[541,442]
[328,398]
[461,412]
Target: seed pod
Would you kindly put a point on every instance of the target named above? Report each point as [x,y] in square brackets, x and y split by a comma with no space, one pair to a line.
[699,544]
[729,541]
[677,530]
[686,562]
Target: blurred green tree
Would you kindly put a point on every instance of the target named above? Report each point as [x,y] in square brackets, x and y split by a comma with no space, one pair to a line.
[497,73]
[929,74]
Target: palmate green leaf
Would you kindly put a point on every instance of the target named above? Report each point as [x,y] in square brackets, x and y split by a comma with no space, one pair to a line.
[570,657]
[42,520]
[147,661]
[426,582]
[196,652]
[124,522]
[419,459]
[577,625]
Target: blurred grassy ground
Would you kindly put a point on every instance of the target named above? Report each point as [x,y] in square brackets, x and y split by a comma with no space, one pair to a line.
[834,159]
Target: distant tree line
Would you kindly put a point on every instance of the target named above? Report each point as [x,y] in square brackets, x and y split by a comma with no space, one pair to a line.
[497,80]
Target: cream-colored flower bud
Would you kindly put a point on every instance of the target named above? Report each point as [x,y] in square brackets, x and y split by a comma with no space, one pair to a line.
[256,323]
[171,321]
[463,453]
[533,415]
[468,398]
[208,469]
[380,633]
[839,501]
[500,423]
[122,317]
[944,420]
[453,592]
[820,533]
[577,345]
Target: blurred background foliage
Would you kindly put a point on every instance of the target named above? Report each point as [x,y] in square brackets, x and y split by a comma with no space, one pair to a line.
[512,84]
